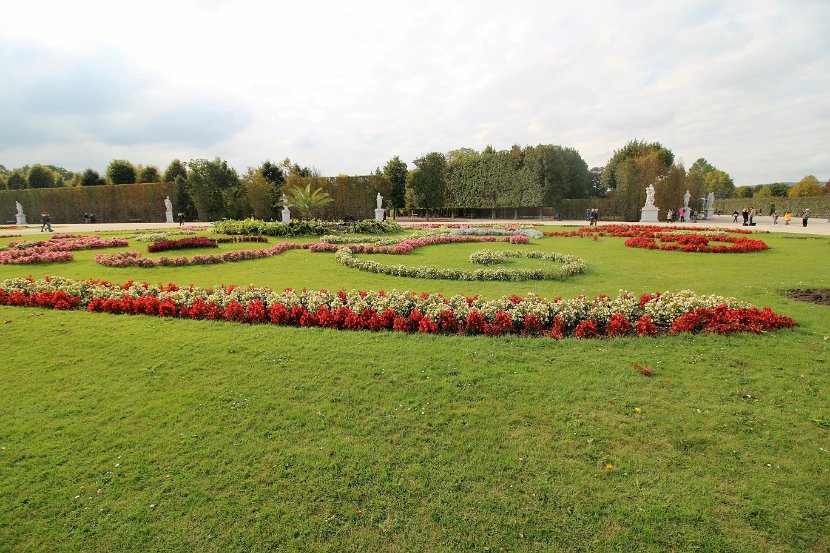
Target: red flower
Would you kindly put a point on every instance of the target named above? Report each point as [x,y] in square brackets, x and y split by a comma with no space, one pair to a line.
[586,329]
[617,325]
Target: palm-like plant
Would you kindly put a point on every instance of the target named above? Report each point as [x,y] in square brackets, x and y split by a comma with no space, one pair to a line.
[306,200]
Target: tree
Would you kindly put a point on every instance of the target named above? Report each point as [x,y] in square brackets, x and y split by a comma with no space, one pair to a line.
[17,180]
[41,176]
[90,177]
[396,171]
[213,185]
[175,169]
[182,198]
[121,171]
[743,192]
[149,173]
[306,200]
[272,173]
[826,187]
[719,182]
[565,174]
[633,149]
[429,184]
[596,190]
[776,189]
[259,192]
[808,186]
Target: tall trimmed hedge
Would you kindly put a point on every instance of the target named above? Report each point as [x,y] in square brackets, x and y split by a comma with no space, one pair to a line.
[109,203]
[819,205]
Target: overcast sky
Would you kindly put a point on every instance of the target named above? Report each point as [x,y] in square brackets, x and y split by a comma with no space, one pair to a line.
[344,86]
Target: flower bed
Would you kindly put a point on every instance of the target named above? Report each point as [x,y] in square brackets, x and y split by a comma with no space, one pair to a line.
[488,257]
[671,238]
[473,231]
[181,244]
[135,259]
[570,266]
[57,249]
[625,315]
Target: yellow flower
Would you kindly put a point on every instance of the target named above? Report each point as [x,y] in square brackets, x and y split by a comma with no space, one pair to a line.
[609,466]
[638,410]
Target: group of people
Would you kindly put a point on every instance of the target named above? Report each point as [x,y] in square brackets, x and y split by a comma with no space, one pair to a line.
[593,216]
[89,219]
[749,215]
[681,214]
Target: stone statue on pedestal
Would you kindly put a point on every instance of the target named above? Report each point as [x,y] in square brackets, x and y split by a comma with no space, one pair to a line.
[20,217]
[168,210]
[649,212]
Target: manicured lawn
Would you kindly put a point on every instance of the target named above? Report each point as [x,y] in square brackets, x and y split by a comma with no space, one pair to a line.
[139,433]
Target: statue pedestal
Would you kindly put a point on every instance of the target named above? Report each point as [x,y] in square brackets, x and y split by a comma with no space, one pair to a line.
[286,215]
[649,214]
[710,213]
[379,214]
[169,217]
[21,218]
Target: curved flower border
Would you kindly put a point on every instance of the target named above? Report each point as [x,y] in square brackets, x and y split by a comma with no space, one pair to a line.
[57,249]
[571,265]
[581,317]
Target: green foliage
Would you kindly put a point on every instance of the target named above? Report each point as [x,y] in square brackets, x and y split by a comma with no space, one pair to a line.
[109,203]
[632,150]
[308,200]
[182,200]
[596,189]
[744,192]
[719,182]
[808,186]
[260,193]
[121,171]
[175,169]
[16,180]
[396,171]
[429,183]
[213,185]
[150,173]
[776,189]
[40,176]
[90,177]
[273,174]
[305,227]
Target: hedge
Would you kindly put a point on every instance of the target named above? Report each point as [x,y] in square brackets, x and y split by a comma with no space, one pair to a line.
[819,205]
[109,203]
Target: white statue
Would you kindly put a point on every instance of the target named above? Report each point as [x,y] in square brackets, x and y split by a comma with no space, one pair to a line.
[380,201]
[649,196]
[20,217]
[168,204]
[19,208]
[284,202]
[686,198]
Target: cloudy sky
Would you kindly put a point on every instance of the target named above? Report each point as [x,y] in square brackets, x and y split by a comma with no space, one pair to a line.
[344,86]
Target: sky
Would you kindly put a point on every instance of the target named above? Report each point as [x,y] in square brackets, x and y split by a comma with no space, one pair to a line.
[345,86]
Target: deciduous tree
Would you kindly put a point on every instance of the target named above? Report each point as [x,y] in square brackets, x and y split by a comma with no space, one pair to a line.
[396,171]
[175,169]
[213,185]
[16,180]
[429,184]
[150,173]
[121,171]
[41,176]
[808,186]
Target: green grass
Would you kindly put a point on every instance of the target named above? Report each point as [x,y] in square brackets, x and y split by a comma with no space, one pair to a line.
[265,438]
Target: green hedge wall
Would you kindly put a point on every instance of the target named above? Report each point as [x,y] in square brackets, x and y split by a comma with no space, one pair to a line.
[109,203]
[819,205]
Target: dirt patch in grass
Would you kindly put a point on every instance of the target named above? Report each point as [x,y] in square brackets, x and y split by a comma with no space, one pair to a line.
[820,296]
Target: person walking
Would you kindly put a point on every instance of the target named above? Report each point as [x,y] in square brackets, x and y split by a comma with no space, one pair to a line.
[180,216]
[787,217]
[805,217]
[752,214]
[745,214]
[774,217]
[735,216]
[46,222]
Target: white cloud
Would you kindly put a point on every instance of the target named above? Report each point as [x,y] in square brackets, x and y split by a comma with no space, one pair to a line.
[344,86]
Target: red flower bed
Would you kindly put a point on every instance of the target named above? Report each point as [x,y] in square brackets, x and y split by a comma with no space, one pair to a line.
[58,248]
[181,244]
[171,301]
[655,237]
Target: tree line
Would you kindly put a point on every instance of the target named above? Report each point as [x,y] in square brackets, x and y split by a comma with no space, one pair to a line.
[535,177]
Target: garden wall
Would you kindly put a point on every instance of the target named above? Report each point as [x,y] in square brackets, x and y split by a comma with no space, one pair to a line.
[109,203]
[819,205]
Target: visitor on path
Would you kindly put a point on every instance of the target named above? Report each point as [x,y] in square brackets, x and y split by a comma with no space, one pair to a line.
[774,217]
[180,217]
[46,222]
[670,216]
[805,217]
[593,217]
[752,214]
[735,216]
[682,214]
[745,215]
[787,217]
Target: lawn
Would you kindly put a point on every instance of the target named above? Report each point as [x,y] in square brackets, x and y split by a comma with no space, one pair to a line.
[136,433]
